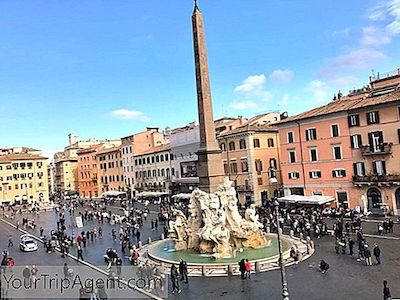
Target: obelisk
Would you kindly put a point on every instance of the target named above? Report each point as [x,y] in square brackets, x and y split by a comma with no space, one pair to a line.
[210,167]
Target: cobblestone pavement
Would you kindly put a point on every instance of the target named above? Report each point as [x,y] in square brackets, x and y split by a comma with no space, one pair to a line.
[346,279]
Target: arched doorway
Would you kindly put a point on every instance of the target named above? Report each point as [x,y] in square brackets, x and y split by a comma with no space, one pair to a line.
[397,196]
[374,197]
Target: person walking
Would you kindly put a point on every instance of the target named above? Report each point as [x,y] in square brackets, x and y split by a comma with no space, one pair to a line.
[386,291]
[351,246]
[377,254]
[10,241]
[248,269]
[34,272]
[26,273]
[367,254]
[175,280]
[242,267]
[80,253]
[183,270]
[66,271]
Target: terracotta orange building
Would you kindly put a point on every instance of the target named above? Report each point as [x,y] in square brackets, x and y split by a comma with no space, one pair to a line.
[87,172]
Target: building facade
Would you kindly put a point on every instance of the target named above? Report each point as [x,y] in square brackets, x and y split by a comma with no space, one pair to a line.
[110,170]
[347,149]
[251,160]
[154,171]
[23,177]
[185,142]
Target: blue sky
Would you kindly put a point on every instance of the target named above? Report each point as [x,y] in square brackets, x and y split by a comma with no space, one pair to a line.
[107,69]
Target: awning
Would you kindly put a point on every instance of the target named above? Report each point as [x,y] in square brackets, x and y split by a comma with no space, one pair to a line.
[182,196]
[313,200]
[113,194]
[151,194]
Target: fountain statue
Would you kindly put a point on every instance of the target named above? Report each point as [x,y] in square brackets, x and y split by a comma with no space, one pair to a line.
[215,226]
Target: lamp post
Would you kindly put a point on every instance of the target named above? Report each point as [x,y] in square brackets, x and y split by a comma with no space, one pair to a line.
[285,292]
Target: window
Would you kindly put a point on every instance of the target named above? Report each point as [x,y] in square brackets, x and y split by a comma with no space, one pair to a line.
[259,180]
[375,141]
[335,130]
[356,141]
[259,167]
[379,167]
[256,143]
[157,159]
[234,168]
[292,156]
[373,117]
[245,166]
[222,146]
[161,157]
[317,193]
[242,144]
[290,137]
[270,143]
[337,152]
[272,163]
[311,134]
[166,157]
[226,168]
[398,134]
[294,175]
[231,146]
[39,164]
[313,154]
[353,120]
[337,173]
[315,174]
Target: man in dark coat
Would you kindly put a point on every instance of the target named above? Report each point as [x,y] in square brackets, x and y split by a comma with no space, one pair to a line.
[242,267]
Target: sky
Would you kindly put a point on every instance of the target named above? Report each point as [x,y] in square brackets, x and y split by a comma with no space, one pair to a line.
[107,69]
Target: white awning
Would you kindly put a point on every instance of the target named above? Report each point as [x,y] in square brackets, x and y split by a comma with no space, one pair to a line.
[151,194]
[113,194]
[313,200]
[182,196]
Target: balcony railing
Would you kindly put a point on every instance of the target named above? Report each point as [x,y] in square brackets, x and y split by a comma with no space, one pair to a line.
[244,188]
[390,178]
[383,149]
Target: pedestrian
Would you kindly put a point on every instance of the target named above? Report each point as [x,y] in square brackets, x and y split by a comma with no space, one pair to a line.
[118,263]
[156,224]
[248,269]
[351,246]
[323,266]
[183,270]
[377,254]
[10,241]
[386,291]
[152,224]
[174,280]
[41,231]
[34,272]
[242,267]
[26,273]
[367,254]
[80,253]
[66,271]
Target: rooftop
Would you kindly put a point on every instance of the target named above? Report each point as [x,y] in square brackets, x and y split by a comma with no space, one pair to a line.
[8,158]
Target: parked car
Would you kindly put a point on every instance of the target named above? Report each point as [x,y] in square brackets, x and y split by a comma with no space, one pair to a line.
[27,243]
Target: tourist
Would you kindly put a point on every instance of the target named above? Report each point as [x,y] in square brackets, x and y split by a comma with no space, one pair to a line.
[26,273]
[175,280]
[377,254]
[351,245]
[367,254]
[323,266]
[242,267]
[248,269]
[294,254]
[10,241]
[80,253]
[386,291]
[183,270]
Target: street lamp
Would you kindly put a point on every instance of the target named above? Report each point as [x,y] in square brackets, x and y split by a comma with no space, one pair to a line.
[285,292]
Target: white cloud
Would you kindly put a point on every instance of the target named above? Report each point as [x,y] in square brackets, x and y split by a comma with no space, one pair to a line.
[281,76]
[318,89]
[374,36]
[243,105]
[252,83]
[253,88]
[126,114]
[284,101]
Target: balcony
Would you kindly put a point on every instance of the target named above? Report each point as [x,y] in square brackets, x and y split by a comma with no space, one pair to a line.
[377,179]
[244,188]
[383,149]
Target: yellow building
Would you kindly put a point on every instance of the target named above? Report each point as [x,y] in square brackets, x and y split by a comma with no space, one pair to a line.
[110,170]
[23,178]
[250,154]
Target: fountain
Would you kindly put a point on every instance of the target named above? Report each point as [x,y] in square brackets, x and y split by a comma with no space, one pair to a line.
[215,226]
